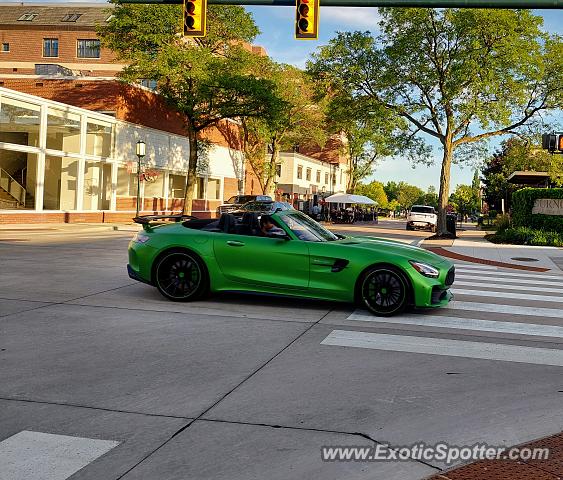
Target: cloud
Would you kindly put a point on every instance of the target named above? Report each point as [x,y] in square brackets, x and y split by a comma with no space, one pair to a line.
[350,18]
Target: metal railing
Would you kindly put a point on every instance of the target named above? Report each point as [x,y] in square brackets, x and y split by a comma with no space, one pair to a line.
[8,183]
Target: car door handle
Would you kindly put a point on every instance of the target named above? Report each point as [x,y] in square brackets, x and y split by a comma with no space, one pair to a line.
[235,243]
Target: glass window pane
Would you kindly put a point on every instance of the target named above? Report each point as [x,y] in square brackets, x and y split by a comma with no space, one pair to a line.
[19,122]
[97,186]
[61,177]
[154,183]
[88,48]
[213,189]
[177,185]
[18,173]
[50,47]
[98,138]
[63,131]
[126,182]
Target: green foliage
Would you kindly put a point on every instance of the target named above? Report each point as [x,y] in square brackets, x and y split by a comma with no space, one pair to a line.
[461,76]
[527,236]
[373,190]
[465,199]
[523,202]
[409,195]
[207,80]
[502,222]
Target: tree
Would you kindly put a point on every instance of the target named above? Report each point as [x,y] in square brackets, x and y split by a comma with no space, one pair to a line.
[391,190]
[300,119]
[373,190]
[460,76]
[408,195]
[464,199]
[207,80]
[513,155]
[430,197]
[371,134]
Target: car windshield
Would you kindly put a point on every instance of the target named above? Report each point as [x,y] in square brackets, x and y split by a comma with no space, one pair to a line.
[240,199]
[417,209]
[306,229]
[257,207]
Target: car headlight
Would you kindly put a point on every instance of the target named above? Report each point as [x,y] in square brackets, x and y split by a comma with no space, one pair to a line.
[141,237]
[425,269]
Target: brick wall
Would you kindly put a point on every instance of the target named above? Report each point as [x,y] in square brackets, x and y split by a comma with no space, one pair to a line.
[26,45]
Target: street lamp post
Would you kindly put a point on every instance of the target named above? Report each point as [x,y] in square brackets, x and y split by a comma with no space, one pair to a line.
[140,151]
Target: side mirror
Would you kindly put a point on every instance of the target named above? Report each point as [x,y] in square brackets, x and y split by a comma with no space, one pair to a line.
[278,235]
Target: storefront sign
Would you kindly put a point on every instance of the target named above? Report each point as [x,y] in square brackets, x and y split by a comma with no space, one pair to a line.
[548,206]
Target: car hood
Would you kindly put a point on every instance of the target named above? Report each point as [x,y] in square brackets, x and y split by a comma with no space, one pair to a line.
[382,245]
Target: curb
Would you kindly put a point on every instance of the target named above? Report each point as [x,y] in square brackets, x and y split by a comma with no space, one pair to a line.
[466,258]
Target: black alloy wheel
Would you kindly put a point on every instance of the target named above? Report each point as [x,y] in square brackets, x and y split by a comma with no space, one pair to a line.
[384,291]
[180,276]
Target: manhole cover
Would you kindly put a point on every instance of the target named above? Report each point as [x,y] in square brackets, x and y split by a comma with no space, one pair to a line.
[524,259]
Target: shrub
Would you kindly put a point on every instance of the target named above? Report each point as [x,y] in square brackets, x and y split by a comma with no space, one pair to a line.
[493,214]
[527,236]
[523,202]
[502,222]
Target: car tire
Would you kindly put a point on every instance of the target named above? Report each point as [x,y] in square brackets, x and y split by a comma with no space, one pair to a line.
[384,290]
[181,277]
[409,227]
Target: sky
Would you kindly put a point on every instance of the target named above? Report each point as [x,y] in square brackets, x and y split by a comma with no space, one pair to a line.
[276,25]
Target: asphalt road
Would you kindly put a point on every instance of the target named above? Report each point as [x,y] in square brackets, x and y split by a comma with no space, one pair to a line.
[102,378]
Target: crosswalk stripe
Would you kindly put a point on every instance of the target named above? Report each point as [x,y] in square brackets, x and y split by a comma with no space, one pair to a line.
[476,267]
[459,323]
[517,296]
[28,455]
[445,347]
[490,281]
[502,308]
[523,288]
[539,276]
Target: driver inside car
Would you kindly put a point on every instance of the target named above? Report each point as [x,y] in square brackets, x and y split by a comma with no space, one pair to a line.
[267,226]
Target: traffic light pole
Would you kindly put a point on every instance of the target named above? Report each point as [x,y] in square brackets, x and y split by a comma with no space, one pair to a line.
[384,3]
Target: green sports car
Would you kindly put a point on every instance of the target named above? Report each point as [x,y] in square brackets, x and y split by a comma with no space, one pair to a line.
[299,257]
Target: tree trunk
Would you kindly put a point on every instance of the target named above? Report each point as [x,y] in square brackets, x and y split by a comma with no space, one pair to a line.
[271,170]
[192,171]
[444,195]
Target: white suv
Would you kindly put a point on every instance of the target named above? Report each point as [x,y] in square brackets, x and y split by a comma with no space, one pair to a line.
[422,216]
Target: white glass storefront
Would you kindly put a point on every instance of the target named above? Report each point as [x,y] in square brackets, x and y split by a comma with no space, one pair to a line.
[55,157]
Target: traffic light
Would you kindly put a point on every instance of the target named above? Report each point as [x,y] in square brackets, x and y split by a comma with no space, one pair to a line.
[552,142]
[194,18]
[307,19]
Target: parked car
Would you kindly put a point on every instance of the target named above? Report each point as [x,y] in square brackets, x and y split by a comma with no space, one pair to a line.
[301,258]
[237,201]
[422,216]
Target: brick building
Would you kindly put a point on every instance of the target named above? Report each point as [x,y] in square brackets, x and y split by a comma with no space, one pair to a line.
[54,40]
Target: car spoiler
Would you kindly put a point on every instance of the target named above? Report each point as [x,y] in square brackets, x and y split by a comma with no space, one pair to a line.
[149,221]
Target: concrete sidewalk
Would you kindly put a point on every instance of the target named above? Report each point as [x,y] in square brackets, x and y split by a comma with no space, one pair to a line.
[471,243]
[47,228]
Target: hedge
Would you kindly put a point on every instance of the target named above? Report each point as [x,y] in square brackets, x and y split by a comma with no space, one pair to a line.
[523,202]
[527,236]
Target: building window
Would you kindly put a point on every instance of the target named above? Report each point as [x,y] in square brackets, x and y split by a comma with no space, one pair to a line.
[278,169]
[27,17]
[63,130]
[214,189]
[19,122]
[326,178]
[299,172]
[71,17]
[308,174]
[88,49]
[50,47]
[318,176]
[5,47]
[98,138]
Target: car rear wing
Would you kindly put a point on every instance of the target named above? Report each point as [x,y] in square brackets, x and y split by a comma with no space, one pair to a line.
[149,221]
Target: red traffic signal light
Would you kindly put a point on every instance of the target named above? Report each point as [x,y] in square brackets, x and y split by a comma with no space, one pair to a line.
[307,19]
[194,18]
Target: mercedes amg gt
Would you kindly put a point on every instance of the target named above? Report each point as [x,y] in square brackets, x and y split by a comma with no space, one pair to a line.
[191,257]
